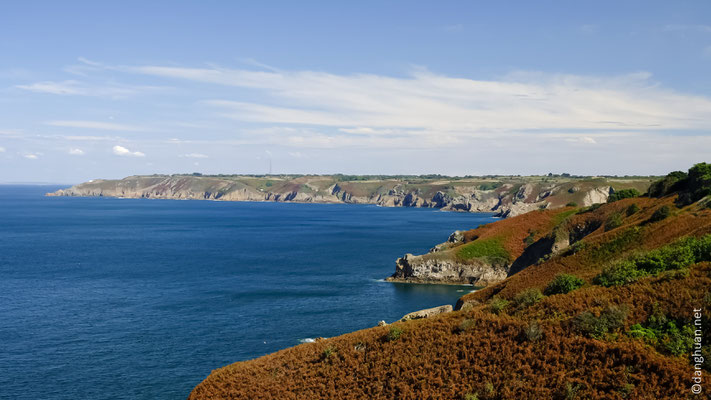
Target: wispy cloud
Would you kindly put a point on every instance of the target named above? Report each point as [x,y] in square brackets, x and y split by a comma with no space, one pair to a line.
[194,155]
[31,156]
[76,152]
[430,101]
[96,125]
[688,27]
[124,152]
[2,149]
[76,88]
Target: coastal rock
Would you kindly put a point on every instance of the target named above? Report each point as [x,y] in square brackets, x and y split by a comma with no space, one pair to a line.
[427,313]
[430,268]
[597,195]
[506,199]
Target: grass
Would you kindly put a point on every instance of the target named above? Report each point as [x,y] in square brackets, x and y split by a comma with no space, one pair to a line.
[491,248]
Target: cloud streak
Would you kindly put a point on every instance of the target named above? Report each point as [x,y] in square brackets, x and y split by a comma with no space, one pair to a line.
[429,101]
[95,125]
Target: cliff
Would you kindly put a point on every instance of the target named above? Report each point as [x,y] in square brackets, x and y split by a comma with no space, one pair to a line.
[615,314]
[505,196]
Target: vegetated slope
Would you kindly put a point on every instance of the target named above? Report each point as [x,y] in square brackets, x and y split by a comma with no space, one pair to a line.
[610,317]
[505,195]
[487,254]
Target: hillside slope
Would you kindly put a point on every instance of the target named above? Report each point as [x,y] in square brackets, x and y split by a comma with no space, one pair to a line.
[506,196]
[615,315]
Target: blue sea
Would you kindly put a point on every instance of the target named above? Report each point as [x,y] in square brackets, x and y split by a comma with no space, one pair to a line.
[140,299]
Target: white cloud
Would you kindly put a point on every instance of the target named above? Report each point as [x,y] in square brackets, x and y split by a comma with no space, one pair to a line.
[97,125]
[31,156]
[76,88]
[428,101]
[194,155]
[76,152]
[2,149]
[122,151]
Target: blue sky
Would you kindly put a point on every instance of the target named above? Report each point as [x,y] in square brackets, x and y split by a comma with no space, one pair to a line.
[97,90]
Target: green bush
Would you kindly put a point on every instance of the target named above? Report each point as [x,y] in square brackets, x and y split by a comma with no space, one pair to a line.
[664,334]
[632,209]
[613,221]
[623,194]
[676,256]
[563,283]
[528,298]
[393,334]
[619,274]
[571,204]
[699,181]
[662,213]
[611,319]
[674,181]
[498,305]
[466,324]
[328,352]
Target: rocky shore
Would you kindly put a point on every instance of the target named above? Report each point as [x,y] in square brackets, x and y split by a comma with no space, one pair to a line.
[504,196]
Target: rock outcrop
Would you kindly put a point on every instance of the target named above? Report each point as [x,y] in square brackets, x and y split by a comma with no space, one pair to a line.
[427,313]
[429,268]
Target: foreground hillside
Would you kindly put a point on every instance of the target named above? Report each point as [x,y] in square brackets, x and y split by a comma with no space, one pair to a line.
[616,314]
[506,195]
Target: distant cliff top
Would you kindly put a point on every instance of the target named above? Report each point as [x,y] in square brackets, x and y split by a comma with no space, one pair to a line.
[504,195]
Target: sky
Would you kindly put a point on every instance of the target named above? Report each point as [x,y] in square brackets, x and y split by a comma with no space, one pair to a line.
[111,89]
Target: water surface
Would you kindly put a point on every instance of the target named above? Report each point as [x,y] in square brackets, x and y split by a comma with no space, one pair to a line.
[140,299]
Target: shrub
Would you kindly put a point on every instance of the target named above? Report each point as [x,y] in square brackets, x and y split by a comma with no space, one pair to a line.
[666,335]
[623,194]
[571,204]
[632,209]
[611,319]
[619,274]
[533,332]
[563,283]
[471,396]
[613,221]
[675,256]
[699,181]
[575,248]
[673,182]
[466,324]
[662,213]
[498,305]
[528,298]
[328,352]
[393,334]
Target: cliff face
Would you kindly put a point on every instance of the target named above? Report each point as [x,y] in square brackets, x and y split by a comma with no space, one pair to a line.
[489,254]
[505,196]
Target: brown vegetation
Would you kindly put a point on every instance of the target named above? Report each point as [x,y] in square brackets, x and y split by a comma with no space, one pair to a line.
[528,346]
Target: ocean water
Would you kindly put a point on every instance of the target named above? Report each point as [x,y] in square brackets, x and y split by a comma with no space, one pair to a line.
[140,299]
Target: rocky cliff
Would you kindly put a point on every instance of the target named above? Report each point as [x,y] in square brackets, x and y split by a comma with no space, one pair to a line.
[505,196]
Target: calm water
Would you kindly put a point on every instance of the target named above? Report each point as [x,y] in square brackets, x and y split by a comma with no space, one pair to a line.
[141,299]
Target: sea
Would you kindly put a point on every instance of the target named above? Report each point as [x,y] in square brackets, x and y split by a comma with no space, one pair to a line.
[106,298]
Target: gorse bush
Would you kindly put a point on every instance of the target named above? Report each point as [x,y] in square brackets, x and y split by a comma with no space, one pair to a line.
[662,213]
[632,209]
[571,204]
[665,334]
[563,283]
[393,334]
[527,298]
[613,221]
[498,305]
[623,194]
[610,320]
[675,256]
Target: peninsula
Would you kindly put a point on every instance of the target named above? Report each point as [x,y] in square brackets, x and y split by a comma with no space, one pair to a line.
[504,195]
